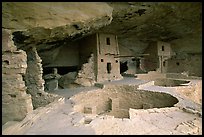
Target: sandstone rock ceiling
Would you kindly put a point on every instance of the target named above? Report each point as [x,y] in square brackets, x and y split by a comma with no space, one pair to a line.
[135,23]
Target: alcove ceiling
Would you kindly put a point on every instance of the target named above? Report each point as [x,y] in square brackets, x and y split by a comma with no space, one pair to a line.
[136,24]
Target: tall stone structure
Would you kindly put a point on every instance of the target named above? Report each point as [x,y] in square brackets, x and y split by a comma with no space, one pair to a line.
[15,102]
[108,63]
[104,48]
[164,52]
[34,81]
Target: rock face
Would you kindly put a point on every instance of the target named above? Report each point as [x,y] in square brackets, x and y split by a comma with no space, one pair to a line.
[52,14]
[15,102]
[51,22]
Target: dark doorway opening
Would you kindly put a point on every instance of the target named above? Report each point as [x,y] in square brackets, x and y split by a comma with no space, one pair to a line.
[162,48]
[61,70]
[109,67]
[107,41]
[123,67]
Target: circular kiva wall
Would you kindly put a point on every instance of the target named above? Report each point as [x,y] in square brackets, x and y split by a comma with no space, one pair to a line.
[117,101]
[169,82]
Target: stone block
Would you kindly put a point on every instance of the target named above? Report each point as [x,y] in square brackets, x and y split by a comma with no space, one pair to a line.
[51,84]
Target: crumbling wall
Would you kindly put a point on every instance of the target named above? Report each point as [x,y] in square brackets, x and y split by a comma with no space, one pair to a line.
[175,65]
[87,46]
[131,65]
[194,65]
[86,75]
[190,64]
[15,102]
[34,81]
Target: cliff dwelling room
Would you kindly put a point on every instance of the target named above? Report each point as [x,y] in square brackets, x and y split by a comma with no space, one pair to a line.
[101,68]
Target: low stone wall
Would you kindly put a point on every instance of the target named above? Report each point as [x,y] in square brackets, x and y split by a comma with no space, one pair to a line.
[117,100]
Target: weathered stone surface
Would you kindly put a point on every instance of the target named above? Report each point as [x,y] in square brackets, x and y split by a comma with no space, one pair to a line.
[51,85]
[16,104]
[50,15]
[21,106]
[33,76]
[193,91]
[7,43]
[16,80]
[17,128]
[50,24]
[11,62]
[35,82]
[86,75]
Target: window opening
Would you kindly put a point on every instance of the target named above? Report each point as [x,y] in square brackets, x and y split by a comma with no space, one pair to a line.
[107,41]
[109,67]
[162,48]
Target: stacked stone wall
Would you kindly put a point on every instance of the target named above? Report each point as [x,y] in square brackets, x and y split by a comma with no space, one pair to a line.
[16,104]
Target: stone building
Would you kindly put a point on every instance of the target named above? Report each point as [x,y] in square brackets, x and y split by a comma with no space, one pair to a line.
[105,51]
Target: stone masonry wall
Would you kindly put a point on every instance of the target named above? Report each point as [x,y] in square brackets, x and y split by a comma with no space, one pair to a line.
[15,102]
[86,75]
[34,80]
[191,64]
